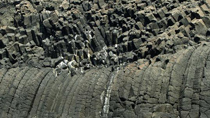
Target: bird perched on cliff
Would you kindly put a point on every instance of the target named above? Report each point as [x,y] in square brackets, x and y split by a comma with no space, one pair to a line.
[72,67]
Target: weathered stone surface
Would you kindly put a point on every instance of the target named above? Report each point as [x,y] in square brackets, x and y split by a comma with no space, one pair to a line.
[104,58]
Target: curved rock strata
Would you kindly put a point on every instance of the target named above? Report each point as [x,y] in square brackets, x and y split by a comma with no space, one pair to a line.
[104,58]
[168,86]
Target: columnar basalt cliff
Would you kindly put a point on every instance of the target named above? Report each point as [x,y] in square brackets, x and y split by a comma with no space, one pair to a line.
[104,58]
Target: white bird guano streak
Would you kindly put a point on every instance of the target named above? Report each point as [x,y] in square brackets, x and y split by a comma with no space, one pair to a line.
[107,96]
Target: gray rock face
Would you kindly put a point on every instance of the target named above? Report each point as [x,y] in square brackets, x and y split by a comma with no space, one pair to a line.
[104,58]
[83,28]
[169,86]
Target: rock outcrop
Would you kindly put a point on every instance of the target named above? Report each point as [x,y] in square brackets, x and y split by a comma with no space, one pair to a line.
[104,58]
[98,33]
[168,86]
